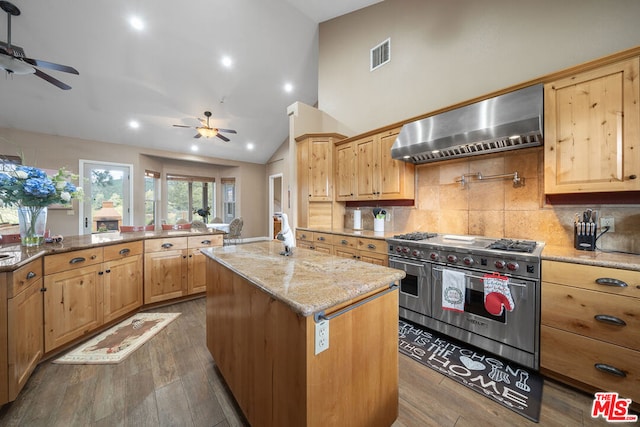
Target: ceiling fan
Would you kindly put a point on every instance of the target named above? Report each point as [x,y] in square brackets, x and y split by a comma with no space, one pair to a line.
[14,61]
[206,130]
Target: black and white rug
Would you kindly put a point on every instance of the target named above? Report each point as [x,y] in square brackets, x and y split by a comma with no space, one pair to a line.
[511,385]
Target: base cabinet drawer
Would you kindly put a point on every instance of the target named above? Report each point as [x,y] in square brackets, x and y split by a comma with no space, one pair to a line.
[605,366]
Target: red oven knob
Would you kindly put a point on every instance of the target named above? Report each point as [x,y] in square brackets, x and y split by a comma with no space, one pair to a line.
[415,253]
[500,264]
[452,258]
[398,249]
[433,256]
[513,266]
[405,250]
[468,260]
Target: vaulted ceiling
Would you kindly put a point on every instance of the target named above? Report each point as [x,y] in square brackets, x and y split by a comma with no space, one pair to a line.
[169,72]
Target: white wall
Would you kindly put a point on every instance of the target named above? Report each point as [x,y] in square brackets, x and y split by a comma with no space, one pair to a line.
[448,51]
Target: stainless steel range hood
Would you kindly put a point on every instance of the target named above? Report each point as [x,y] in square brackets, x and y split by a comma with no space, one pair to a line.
[506,122]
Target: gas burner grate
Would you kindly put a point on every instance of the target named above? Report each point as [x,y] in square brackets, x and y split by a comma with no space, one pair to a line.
[416,235]
[513,245]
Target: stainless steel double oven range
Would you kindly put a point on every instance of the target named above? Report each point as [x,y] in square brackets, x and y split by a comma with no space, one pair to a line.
[514,333]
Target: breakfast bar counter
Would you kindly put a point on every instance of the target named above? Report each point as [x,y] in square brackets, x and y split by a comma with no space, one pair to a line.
[266,316]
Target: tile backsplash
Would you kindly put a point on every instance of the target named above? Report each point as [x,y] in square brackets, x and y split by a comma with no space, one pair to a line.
[498,207]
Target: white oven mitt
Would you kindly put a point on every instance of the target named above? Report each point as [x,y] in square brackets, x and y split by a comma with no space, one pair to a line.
[497,295]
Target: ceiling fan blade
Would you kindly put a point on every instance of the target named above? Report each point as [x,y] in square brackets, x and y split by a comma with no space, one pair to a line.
[197,135]
[52,80]
[183,126]
[222,137]
[227,130]
[51,65]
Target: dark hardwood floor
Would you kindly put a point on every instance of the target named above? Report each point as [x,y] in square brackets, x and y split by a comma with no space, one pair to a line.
[172,381]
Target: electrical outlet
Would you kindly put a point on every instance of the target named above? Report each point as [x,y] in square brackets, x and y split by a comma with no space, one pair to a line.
[322,336]
[607,222]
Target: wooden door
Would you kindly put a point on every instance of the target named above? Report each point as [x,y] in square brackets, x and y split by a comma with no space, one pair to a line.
[122,286]
[592,128]
[25,335]
[72,304]
[345,172]
[367,167]
[320,169]
[165,275]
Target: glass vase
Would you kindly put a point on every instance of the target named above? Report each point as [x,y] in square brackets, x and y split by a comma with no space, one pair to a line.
[33,223]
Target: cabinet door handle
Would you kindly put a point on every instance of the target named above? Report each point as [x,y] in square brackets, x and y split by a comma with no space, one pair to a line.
[344,242]
[608,281]
[206,242]
[371,246]
[611,320]
[608,369]
[31,275]
[321,238]
[77,260]
[124,251]
[100,273]
[167,245]
[107,271]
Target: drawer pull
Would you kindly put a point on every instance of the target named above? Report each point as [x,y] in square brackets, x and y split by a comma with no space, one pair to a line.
[303,236]
[167,245]
[77,260]
[608,369]
[321,238]
[608,281]
[371,246]
[611,320]
[206,242]
[31,275]
[124,251]
[344,242]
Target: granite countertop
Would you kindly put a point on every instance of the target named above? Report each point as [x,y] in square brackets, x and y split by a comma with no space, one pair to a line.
[20,255]
[307,281]
[596,258]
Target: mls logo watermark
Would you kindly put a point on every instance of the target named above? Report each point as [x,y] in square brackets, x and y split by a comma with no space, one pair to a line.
[612,408]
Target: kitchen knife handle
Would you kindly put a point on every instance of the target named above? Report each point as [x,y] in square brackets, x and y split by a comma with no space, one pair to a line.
[608,369]
[611,320]
[608,281]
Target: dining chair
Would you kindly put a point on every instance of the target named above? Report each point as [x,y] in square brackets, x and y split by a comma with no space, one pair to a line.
[235,231]
[216,220]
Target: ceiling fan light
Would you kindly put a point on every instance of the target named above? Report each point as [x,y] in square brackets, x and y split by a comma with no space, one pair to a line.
[207,132]
[15,66]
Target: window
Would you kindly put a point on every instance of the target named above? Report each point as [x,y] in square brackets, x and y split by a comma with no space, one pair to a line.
[186,195]
[8,214]
[151,187]
[229,199]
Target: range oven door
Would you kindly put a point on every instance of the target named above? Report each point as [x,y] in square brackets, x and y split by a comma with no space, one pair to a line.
[516,328]
[415,292]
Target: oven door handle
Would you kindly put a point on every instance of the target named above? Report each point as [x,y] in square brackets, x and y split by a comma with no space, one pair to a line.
[403,262]
[473,276]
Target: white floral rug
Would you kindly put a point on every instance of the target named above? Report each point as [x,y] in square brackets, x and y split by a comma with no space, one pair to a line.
[115,344]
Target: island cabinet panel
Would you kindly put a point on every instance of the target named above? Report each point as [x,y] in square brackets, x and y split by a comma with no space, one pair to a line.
[122,279]
[266,353]
[592,130]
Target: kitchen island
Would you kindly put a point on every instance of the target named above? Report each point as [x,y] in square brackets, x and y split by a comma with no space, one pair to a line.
[262,310]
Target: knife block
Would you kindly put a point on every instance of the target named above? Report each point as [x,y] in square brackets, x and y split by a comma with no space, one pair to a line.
[584,242]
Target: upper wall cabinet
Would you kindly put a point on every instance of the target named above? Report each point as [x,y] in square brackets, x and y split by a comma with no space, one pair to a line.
[366,171]
[592,130]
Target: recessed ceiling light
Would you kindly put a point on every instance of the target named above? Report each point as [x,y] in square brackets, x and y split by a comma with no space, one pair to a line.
[250,146]
[134,124]
[136,23]
[227,61]
[288,87]
[194,147]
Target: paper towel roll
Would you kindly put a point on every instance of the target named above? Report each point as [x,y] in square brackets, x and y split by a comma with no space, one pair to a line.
[357,219]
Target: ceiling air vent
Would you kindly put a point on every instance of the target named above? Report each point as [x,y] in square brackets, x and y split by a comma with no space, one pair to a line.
[381,54]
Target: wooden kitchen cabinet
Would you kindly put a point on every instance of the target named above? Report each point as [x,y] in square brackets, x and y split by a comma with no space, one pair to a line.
[25,340]
[590,332]
[366,171]
[373,251]
[73,297]
[122,279]
[197,265]
[315,241]
[165,268]
[592,130]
